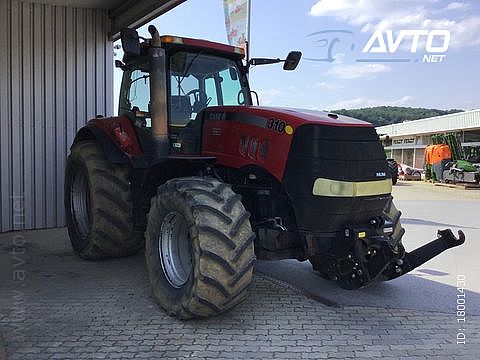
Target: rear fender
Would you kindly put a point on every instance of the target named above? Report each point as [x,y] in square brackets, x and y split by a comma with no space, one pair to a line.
[116,135]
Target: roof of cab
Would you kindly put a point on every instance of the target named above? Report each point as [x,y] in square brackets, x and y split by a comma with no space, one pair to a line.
[169,39]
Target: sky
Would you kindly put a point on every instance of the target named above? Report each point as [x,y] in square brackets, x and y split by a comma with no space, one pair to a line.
[278,27]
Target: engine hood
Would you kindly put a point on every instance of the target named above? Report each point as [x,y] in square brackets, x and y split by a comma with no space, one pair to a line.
[293,116]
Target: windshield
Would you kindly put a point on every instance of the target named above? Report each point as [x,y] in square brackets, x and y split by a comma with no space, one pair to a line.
[199,80]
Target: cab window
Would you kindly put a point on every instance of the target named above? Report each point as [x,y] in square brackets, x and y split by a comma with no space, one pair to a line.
[134,99]
[211,91]
[200,80]
[197,81]
[139,92]
[230,87]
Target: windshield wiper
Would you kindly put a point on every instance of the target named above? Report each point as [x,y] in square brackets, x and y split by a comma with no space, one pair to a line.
[141,77]
[191,63]
[184,75]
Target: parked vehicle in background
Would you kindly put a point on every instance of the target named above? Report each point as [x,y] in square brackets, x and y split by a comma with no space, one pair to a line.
[461,171]
[393,167]
[410,170]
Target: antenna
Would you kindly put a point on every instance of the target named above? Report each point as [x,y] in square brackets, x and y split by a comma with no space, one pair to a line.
[247,44]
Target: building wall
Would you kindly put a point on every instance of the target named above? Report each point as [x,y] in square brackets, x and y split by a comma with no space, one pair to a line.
[410,149]
[55,73]
[468,120]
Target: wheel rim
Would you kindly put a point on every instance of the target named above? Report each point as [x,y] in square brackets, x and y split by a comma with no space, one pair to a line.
[175,250]
[80,203]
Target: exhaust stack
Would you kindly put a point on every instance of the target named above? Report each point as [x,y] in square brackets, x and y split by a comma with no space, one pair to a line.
[158,94]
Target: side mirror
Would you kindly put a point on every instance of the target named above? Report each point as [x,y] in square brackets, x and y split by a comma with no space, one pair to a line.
[130,41]
[120,65]
[292,60]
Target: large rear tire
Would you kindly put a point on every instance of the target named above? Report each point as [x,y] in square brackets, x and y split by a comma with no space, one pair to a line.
[98,205]
[199,247]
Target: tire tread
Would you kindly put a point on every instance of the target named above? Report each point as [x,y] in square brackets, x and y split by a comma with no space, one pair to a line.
[224,252]
[112,231]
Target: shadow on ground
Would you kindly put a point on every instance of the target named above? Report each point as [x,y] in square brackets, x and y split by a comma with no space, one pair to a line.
[407,292]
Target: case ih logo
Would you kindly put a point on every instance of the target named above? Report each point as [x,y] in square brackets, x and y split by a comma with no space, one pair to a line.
[431,44]
[217,116]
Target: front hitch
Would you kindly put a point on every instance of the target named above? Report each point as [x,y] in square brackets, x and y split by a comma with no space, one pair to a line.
[445,240]
[373,258]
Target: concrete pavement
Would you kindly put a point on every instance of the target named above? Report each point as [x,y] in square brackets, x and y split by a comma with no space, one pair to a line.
[54,305]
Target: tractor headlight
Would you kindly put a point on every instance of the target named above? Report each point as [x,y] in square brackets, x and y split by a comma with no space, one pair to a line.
[336,188]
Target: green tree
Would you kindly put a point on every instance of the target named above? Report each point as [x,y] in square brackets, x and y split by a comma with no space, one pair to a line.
[386,115]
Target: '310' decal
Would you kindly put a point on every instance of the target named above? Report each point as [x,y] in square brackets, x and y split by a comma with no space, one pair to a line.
[279,126]
[276,125]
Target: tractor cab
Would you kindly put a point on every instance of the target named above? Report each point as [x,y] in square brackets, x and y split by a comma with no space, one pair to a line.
[197,74]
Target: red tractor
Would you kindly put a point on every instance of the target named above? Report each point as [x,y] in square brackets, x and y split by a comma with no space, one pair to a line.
[207,182]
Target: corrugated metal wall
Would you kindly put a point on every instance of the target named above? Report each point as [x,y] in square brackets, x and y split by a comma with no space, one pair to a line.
[55,74]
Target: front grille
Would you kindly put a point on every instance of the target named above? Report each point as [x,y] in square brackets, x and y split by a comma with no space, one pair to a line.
[336,153]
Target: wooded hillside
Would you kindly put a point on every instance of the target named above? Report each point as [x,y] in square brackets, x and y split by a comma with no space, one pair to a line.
[386,115]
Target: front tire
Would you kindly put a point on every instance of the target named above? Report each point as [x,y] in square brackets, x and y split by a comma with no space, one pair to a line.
[199,247]
[98,205]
